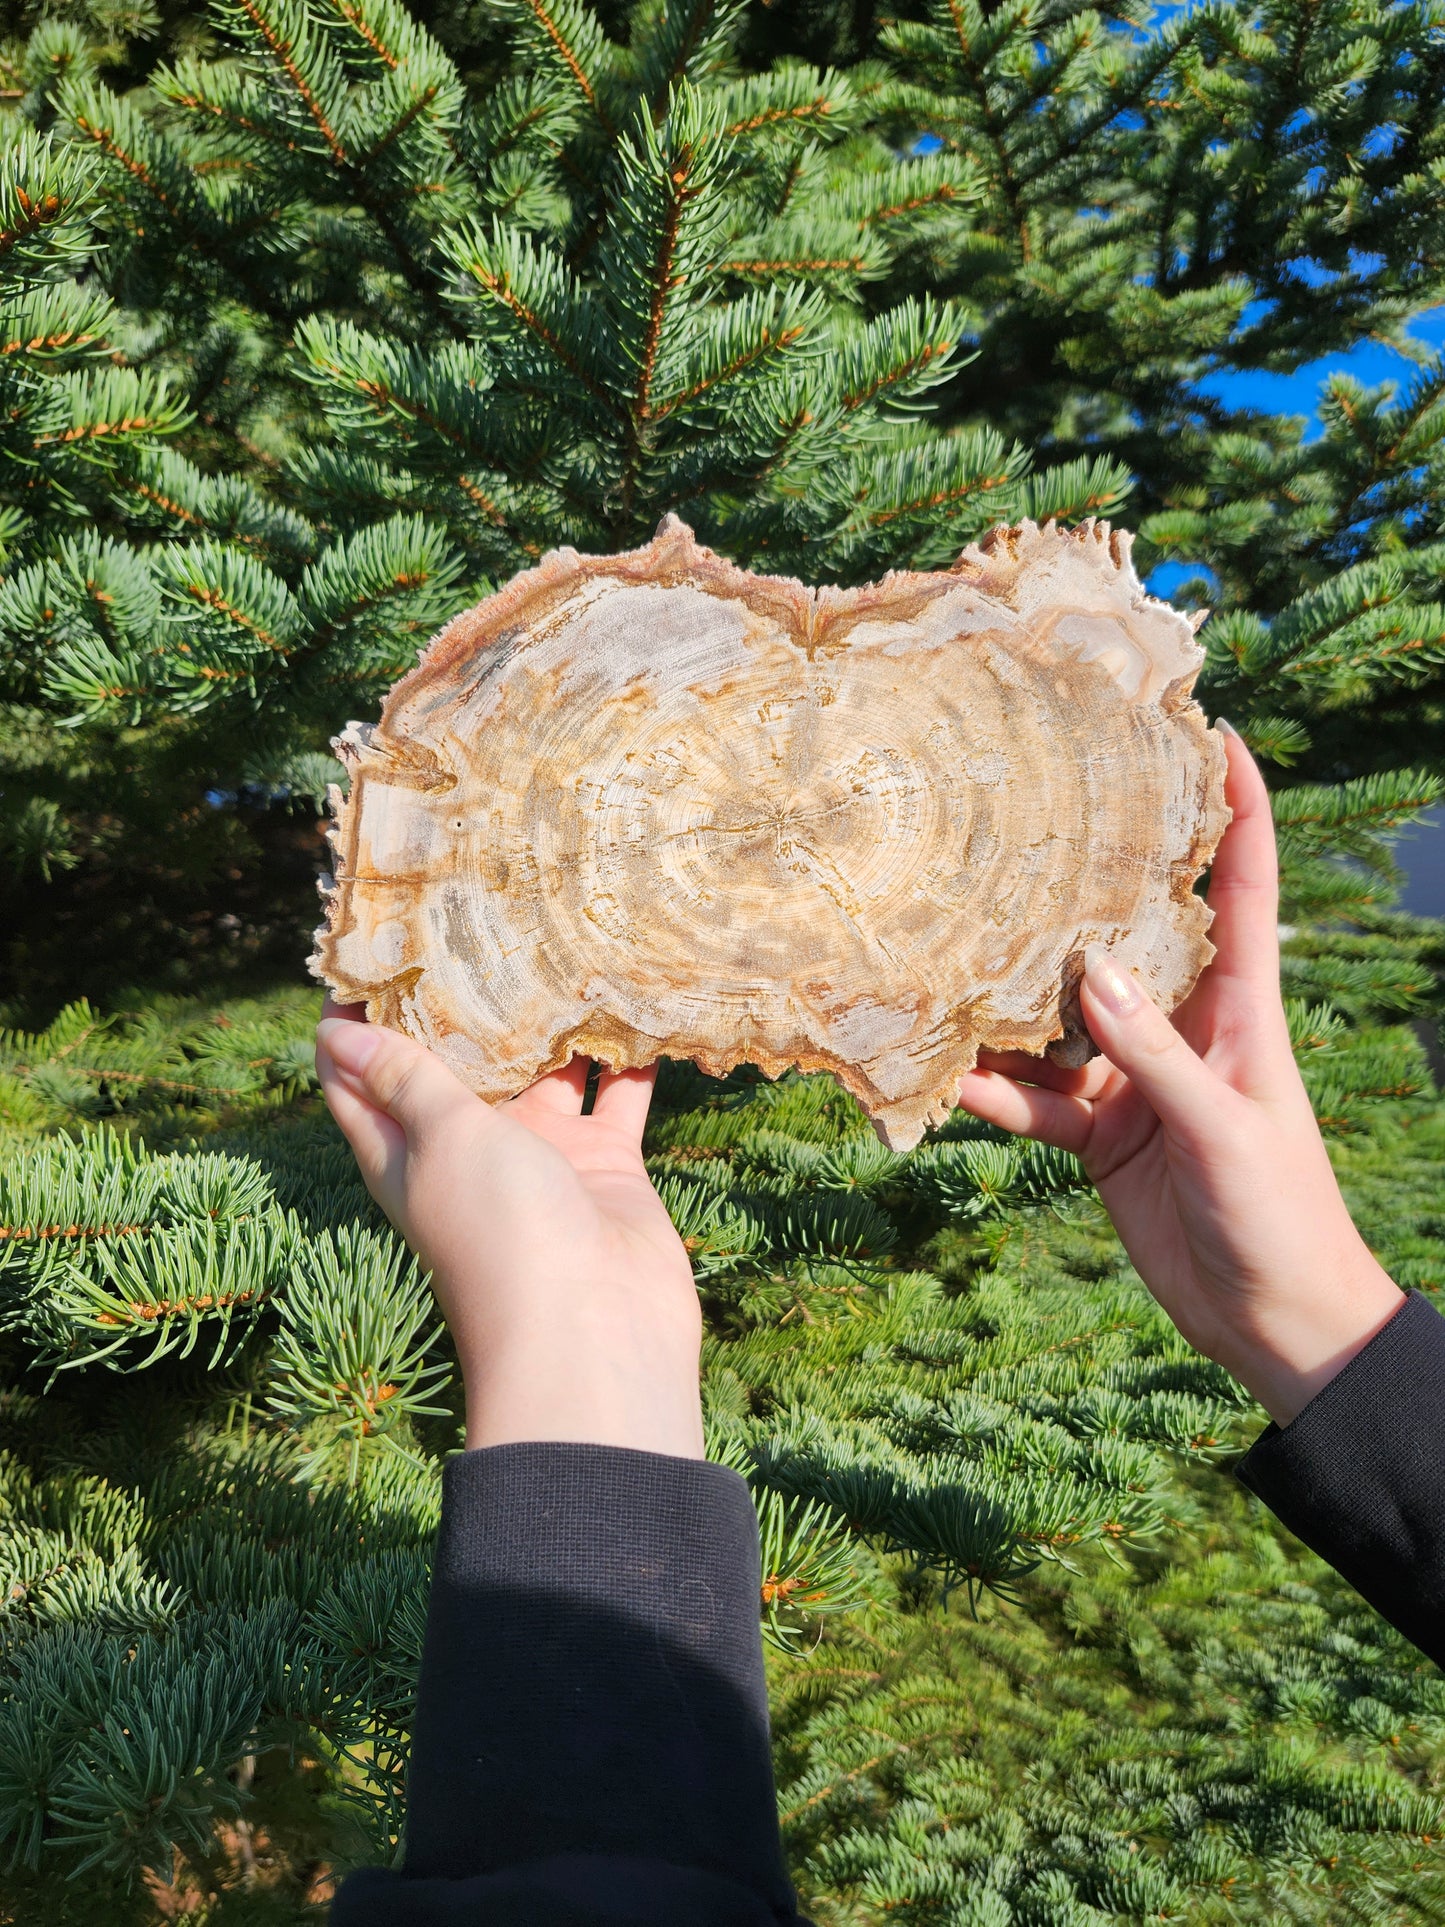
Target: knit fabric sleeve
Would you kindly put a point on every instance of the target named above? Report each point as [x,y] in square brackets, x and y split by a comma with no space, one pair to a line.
[1359,1475]
[591,1737]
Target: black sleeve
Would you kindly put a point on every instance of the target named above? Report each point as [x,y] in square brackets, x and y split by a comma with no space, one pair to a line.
[1359,1475]
[591,1738]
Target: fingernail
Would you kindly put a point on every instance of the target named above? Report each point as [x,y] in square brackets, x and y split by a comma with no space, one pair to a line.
[1225,727]
[1114,986]
[349,1045]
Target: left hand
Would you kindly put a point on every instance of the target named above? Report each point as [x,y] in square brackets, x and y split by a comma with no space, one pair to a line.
[567,1290]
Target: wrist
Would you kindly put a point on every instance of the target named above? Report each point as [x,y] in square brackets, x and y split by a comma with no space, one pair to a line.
[647,1398]
[1293,1350]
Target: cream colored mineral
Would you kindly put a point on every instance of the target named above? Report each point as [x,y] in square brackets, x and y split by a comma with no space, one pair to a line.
[651,804]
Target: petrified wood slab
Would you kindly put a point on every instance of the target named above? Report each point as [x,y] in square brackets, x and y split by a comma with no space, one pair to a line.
[651,804]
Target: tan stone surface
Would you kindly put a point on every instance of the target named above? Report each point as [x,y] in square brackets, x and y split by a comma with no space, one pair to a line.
[652,804]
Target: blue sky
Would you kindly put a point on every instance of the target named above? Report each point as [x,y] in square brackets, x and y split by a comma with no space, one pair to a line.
[1298,393]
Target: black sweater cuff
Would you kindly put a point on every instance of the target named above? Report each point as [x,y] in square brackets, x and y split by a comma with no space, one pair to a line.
[1359,1475]
[591,1737]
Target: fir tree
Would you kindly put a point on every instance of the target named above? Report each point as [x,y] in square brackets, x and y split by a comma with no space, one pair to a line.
[938,1372]
[398,343]
[1238,188]
[312,329]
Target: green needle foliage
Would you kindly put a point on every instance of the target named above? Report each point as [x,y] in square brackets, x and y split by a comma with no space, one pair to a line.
[1033,1652]
[317,319]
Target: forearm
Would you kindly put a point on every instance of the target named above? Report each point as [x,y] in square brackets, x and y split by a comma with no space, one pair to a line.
[1357,1474]
[592,1720]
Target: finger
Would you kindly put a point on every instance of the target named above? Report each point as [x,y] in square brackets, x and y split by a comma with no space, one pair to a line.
[351,1013]
[1139,1040]
[1244,878]
[623,1098]
[558,1092]
[1051,1116]
[1043,1071]
[377,1142]
[393,1075]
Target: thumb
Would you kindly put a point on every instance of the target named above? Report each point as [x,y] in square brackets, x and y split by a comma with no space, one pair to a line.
[386,1093]
[388,1073]
[1138,1039]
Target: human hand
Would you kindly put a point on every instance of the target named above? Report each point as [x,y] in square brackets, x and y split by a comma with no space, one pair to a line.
[568,1292]
[1199,1136]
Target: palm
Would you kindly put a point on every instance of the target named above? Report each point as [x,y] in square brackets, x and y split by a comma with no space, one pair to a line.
[569,1294]
[599,1198]
[603,1152]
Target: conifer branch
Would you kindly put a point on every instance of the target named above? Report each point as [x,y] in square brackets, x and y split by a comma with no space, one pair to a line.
[282,51]
[353,13]
[34,216]
[546,21]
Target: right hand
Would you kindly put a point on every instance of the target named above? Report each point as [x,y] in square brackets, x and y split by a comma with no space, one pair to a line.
[1199,1136]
